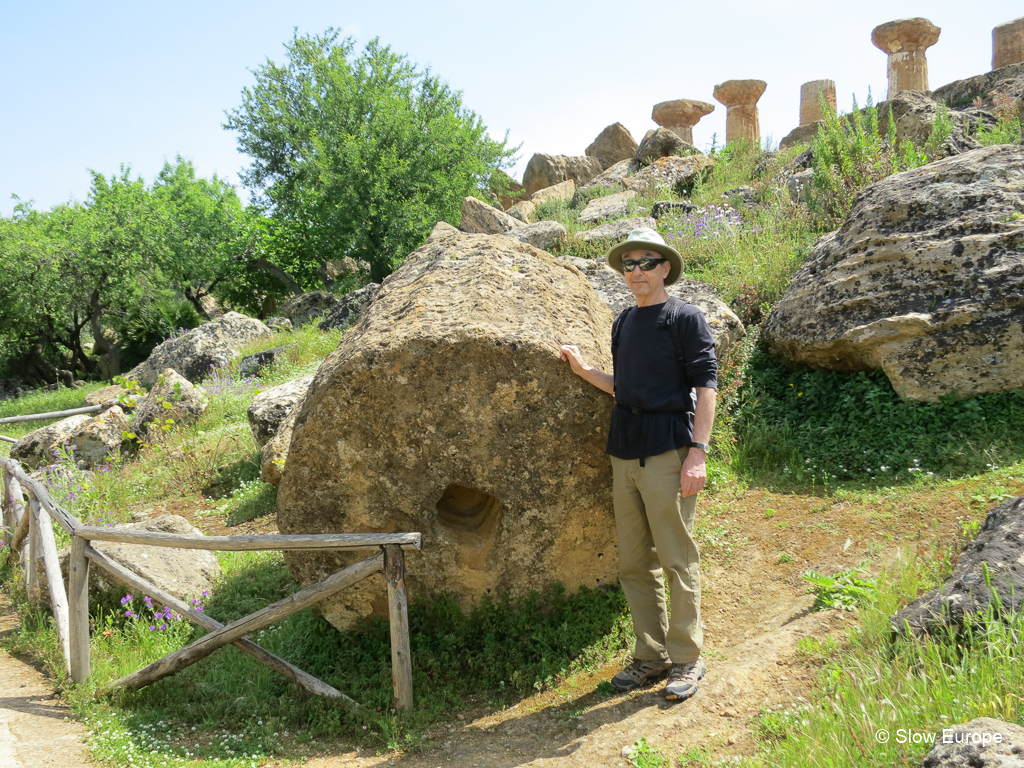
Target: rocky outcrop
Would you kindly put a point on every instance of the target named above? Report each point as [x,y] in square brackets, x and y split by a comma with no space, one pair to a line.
[678,174]
[448,411]
[563,191]
[274,454]
[672,208]
[108,396]
[611,288]
[999,550]
[98,440]
[351,307]
[981,743]
[479,217]
[171,403]
[1005,81]
[661,143]
[740,197]
[612,145]
[307,307]
[615,230]
[609,207]
[547,170]
[185,573]
[36,449]
[271,407]
[614,175]
[524,210]
[250,365]
[544,235]
[924,280]
[211,345]
[802,134]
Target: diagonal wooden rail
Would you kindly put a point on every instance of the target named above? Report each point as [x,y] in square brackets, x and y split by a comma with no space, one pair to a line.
[32,539]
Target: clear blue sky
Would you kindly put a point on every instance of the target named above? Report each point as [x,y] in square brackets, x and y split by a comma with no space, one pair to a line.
[94,85]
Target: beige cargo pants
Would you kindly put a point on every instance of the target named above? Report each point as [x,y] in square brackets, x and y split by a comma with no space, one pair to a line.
[655,528]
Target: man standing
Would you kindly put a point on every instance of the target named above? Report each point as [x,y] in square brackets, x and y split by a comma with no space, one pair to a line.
[664,381]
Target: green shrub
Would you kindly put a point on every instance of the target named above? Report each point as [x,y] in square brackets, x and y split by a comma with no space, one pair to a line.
[1008,129]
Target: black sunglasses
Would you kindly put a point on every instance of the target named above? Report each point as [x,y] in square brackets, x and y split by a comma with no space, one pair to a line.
[646,264]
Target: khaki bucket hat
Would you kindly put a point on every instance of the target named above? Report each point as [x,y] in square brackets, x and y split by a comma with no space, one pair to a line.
[646,239]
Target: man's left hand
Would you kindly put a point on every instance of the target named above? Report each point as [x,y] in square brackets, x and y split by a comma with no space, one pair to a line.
[694,474]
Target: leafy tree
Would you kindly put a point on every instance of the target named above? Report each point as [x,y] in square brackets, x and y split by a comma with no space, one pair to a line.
[357,155]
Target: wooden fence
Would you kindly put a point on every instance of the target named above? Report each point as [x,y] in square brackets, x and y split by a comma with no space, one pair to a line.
[28,522]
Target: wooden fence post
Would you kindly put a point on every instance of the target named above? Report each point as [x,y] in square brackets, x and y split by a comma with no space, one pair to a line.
[29,558]
[398,613]
[78,599]
[54,578]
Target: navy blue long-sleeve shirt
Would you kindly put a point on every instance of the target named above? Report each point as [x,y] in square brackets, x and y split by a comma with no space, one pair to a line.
[649,377]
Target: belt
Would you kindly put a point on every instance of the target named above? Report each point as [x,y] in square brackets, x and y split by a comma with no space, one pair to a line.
[641,411]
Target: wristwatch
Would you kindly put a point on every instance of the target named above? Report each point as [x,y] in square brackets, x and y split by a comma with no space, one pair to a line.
[703,446]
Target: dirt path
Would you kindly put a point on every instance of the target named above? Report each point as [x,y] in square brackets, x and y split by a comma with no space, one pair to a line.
[33,728]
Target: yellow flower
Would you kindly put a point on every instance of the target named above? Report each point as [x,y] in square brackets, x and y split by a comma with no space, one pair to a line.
[799,394]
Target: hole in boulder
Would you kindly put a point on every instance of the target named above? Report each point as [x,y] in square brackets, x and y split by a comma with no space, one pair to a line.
[466,509]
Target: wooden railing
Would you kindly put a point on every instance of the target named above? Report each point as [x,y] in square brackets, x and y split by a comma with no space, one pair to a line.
[32,539]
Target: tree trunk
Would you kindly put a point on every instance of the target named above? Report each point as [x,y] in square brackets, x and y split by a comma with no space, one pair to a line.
[109,354]
[275,271]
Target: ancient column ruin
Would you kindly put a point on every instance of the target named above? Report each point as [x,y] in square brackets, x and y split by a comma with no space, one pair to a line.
[810,100]
[680,115]
[905,41]
[740,96]
[1008,43]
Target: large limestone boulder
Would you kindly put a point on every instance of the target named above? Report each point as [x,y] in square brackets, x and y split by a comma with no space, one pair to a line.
[307,307]
[350,308]
[271,407]
[614,175]
[479,217]
[448,411]
[524,210]
[608,207]
[547,170]
[678,174]
[999,549]
[170,404]
[563,191]
[185,573]
[615,230]
[211,345]
[611,288]
[544,235]
[36,449]
[612,145]
[1007,82]
[661,143]
[98,440]
[924,280]
[981,743]
[115,394]
[274,454]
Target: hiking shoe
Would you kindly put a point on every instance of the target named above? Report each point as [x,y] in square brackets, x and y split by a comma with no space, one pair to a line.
[682,680]
[639,672]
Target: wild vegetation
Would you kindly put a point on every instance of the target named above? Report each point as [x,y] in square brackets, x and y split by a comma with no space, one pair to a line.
[790,431]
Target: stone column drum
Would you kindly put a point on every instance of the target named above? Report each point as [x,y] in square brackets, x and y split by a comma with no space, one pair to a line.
[810,100]
[681,115]
[905,41]
[740,96]
[1008,43]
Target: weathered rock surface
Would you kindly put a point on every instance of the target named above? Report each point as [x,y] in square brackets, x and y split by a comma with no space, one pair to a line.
[307,307]
[250,365]
[975,745]
[185,573]
[99,439]
[212,344]
[544,235]
[613,176]
[186,402]
[609,207]
[612,145]
[448,411]
[513,190]
[563,191]
[279,323]
[661,143]
[1000,546]
[924,280]
[678,174]
[274,454]
[1005,81]
[915,114]
[671,208]
[36,448]
[799,184]
[524,210]
[737,197]
[479,217]
[351,307]
[802,134]
[271,407]
[547,170]
[615,230]
[107,396]
[611,287]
